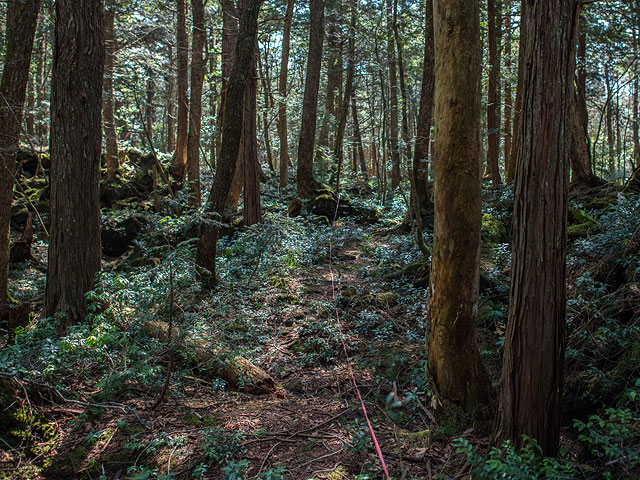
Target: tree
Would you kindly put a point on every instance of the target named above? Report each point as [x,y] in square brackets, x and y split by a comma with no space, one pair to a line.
[195,102]
[22,18]
[456,371]
[532,383]
[425,118]
[282,92]
[393,100]
[76,138]
[508,100]
[306,182]
[231,136]
[180,154]
[108,117]
[493,109]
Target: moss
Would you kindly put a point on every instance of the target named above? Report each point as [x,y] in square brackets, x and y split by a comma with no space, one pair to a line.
[293,385]
[493,230]
[388,298]
[338,473]
[580,230]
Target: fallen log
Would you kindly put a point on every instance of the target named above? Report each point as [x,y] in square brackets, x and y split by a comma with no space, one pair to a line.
[239,373]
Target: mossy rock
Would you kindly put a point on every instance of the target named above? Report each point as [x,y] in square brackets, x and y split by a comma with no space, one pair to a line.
[493,230]
[580,230]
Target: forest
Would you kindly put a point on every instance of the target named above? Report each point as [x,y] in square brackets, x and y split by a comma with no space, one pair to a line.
[319,239]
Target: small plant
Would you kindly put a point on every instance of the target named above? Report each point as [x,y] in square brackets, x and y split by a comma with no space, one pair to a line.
[234,470]
[509,462]
[613,438]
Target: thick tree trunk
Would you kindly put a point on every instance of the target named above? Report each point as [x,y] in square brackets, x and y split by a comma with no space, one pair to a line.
[493,97]
[231,136]
[282,102]
[21,27]
[306,182]
[425,118]
[195,102]
[530,403]
[393,102]
[508,100]
[178,168]
[456,370]
[108,117]
[76,138]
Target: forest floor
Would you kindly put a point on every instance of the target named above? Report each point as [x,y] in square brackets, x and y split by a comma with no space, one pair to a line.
[84,405]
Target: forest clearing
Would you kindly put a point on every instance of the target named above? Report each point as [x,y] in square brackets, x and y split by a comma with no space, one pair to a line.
[269,239]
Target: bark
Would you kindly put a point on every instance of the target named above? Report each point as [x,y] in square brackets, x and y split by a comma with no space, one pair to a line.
[532,383]
[511,167]
[493,97]
[108,117]
[454,364]
[508,100]
[230,145]
[305,180]
[393,102]
[76,138]
[20,31]
[282,102]
[425,117]
[179,164]
[195,102]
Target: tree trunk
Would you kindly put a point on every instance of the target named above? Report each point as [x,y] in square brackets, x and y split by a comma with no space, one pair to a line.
[425,117]
[636,91]
[263,71]
[178,169]
[609,119]
[147,136]
[231,136]
[580,153]
[282,102]
[306,182]
[507,93]
[456,370]
[195,102]
[171,111]
[76,138]
[393,102]
[530,403]
[108,117]
[334,76]
[249,151]
[359,150]
[493,96]
[21,27]
[338,151]
[403,85]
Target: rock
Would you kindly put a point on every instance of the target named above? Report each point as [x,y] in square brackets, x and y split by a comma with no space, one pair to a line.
[117,236]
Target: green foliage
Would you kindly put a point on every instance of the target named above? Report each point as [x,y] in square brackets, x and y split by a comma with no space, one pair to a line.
[507,462]
[219,445]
